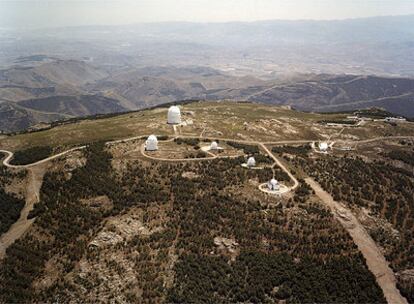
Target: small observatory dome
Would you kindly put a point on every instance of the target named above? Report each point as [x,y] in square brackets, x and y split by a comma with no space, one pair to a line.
[152,143]
[323,146]
[251,162]
[273,185]
[174,115]
[214,145]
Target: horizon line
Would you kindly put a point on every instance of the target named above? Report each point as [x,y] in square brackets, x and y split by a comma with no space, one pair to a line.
[209,22]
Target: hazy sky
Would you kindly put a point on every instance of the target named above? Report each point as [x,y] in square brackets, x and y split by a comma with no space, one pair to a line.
[43,13]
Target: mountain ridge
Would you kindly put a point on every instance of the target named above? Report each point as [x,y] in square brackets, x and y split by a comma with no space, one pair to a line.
[86,90]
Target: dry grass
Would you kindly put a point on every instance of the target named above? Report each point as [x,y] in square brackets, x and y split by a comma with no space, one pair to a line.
[215,119]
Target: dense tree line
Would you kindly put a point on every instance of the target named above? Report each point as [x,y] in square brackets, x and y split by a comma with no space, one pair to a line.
[282,255]
[10,208]
[338,121]
[384,189]
[10,204]
[295,150]
[31,155]
[188,141]
[247,149]
[303,192]
[258,277]
[404,156]
[202,212]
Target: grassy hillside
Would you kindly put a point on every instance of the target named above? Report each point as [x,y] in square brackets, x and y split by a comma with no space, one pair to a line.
[243,121]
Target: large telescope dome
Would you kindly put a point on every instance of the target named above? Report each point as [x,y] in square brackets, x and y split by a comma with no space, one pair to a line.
[174,115]
[152,143]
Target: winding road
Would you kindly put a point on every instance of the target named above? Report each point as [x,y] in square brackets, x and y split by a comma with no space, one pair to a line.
[9,157]
[6,161]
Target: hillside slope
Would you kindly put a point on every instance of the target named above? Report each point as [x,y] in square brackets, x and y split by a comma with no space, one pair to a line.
[333,94]
[82,105]
[76,88]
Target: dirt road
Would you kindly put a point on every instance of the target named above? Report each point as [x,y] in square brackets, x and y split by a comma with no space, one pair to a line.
[34,182]
[375,259]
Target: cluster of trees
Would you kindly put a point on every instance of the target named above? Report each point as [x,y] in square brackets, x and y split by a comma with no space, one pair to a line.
[294,150]
[247,149]
[62,219]
[301,258]
[338,121]
[328,268]
[10,208]
[198,154]
[188,141]
[374,113]
[384,189]
[163,137]
[407,289]
[31,155]
[258,277]
[404,156]
[7,176]
[10,204]
[303,192]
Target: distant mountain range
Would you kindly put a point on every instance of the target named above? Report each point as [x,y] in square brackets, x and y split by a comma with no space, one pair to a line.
[62,89]
[267,49]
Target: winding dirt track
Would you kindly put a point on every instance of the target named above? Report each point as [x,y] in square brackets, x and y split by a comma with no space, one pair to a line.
[35,178]
[374,258]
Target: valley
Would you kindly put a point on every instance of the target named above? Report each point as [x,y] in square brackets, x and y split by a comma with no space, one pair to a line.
[38,95]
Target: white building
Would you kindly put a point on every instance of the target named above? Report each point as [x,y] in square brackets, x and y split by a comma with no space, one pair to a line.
[273,185]
[251,162]
[395,119]
[323,146]
[174,115]
[214,146]
[152,143]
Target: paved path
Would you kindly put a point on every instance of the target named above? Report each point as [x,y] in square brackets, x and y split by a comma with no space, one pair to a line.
[6,161]
[279,163]
[374,258]
[9,157]
[35,178]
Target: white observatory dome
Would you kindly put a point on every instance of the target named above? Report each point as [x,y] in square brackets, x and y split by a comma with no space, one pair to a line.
[323,146]
[251,162]
[152,143]
[214,145]
[273,185]
[174,115]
